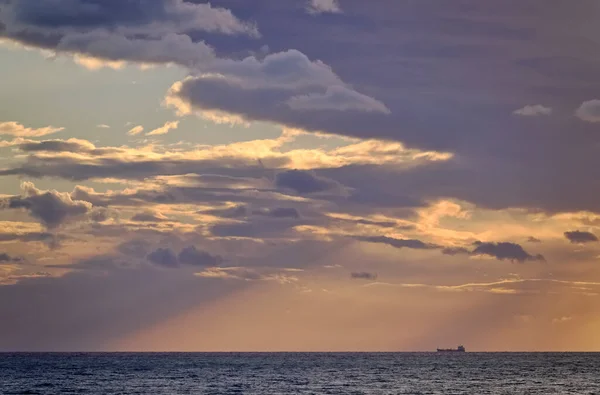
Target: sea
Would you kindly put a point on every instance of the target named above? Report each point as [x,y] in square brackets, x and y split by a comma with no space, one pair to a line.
[300,373]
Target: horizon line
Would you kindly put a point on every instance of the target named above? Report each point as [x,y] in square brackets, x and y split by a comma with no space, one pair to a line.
[303,352]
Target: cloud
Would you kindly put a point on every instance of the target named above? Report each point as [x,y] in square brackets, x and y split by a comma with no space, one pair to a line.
[427,112]
[337,98]
[149,216]
[125,16]
[257,89]
[134,247]
[103,126]
[52,208]
[501,251]
[18,130]
[561,320]
[160,17]
[245,274]
[259,227]
[505,251]
[163,257]
[533,110]
[589,111]
[135,130]
[4,257]
[112,32]
[323,6]
[166,128]
[279,212]
[304,182]
[581,237]
[99,214]
[189,256]
[171,48]
[363,276]
[194,257]
[71,145]
[455,251]
[511,286]
[253,158]
[397,243]
[52,240]
[238,211]
[532,239]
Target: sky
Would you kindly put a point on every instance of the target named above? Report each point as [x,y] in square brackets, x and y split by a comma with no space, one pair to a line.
[302,175]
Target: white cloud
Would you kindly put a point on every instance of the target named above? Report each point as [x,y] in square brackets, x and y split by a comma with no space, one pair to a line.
[18,130]
[136,130]
[323,6]
[589,111]
[561,320]
[103,126]
[166,128]
[533,110]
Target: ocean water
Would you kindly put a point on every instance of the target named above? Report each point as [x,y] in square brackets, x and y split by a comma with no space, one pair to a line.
[301,373]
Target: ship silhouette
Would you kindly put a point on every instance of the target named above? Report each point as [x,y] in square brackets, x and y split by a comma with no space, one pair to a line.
[457,349]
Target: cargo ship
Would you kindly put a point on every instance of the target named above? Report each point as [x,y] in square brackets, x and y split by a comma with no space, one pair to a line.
[457,349]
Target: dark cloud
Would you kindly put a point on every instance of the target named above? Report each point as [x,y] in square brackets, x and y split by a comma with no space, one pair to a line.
[278,90]
[532,239]
[52,240]
[462,75]
[304,182]
[581,237]
[54,146]
[4,257]
[76,146]
[135,247]
[148,216]
[154,32]
[50,207]
[192,256]
[239,211]
[363,276]
[505,251]
[80,15]
[501,251]
[455,251]
[510,187]
[397,243]
[188,256]
[100,214]
[163,257]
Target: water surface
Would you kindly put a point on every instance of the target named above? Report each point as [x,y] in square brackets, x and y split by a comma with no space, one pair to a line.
[300,373]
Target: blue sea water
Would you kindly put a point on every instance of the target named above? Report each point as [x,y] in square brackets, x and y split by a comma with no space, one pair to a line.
[300,373]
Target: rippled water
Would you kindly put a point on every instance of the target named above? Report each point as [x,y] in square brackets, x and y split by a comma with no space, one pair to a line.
[298,373]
